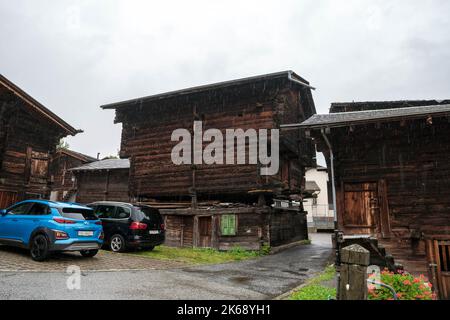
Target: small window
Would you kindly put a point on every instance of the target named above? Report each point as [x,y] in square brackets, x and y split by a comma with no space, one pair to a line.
[39,209]
[105,212]
[228,225]
[122,213]
[20,209]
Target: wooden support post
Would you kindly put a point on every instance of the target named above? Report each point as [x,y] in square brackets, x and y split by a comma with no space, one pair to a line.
[353,279]
[182,225]
[105,196]
[215,231]
[195,235]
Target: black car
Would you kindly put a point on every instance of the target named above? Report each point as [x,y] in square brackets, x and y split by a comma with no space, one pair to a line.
[128,226]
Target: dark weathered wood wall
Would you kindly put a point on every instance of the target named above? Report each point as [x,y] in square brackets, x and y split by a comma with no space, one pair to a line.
[61,176]
[287,226]
[102,185]
[179,230]
[409,165]
[26,144]
[256,226]
[147,130]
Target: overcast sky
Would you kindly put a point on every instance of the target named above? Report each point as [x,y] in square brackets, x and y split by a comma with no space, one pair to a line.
[74,56]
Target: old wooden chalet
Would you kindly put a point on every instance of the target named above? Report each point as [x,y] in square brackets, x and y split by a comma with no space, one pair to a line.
[63,184]
[104,180]
[29,134]
[392,177]
[220,205]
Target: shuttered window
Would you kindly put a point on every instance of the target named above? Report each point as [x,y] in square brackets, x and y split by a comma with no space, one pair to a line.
[228,225]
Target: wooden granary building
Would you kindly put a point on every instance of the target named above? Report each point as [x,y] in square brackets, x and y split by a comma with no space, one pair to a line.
[29,134]
[103,180]
[392,178]
[63,183]
[220,205]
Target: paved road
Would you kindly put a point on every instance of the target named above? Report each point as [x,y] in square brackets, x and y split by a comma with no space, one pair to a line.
[261,278]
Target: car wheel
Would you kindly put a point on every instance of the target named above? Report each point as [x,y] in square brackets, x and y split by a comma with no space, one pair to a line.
[117,243]
[88,253]
[39,248]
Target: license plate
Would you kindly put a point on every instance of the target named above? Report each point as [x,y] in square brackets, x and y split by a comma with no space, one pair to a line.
[85,233]
[153,232]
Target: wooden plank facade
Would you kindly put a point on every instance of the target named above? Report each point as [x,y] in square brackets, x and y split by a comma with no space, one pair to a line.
[392,179]
[263,102]
[63,184]
[253,227]
[104,180]
[255,103]
[29,134]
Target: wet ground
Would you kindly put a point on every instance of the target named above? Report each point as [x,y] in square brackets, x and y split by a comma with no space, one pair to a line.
[274,274]
[262,278]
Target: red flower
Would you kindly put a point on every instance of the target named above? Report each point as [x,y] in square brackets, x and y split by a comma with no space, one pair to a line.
[416,280]
[407,283]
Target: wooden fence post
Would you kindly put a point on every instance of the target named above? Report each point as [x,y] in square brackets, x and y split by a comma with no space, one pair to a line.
[353,279]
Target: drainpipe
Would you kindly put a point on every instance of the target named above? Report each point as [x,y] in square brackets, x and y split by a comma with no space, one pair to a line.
[333,186]
[337,234]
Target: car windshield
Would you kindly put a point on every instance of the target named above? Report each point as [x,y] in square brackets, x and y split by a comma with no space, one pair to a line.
[78,213]
[149,213]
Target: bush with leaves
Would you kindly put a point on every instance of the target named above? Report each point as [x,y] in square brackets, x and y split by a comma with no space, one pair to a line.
[405,285]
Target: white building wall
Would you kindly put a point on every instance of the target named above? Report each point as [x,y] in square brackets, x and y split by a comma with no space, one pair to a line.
[319,208]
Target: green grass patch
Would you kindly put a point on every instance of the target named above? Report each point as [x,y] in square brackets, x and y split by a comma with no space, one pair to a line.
[201,255]
[314,289]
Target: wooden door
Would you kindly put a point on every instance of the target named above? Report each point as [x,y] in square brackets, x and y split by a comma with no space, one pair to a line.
[204,232]
[361,210]
[439,262]
[7,198]
[37,168]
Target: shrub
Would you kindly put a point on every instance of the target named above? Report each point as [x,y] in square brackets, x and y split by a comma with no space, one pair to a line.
[405,285]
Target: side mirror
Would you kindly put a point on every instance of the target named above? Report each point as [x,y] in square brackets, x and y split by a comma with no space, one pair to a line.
[3,212]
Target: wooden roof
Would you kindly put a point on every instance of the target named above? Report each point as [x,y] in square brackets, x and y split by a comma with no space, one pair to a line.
[377,105]
[77,155]
[33,104]
[343,119]
[209,87]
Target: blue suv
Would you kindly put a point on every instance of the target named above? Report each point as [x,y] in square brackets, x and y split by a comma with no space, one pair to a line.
[45,226]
